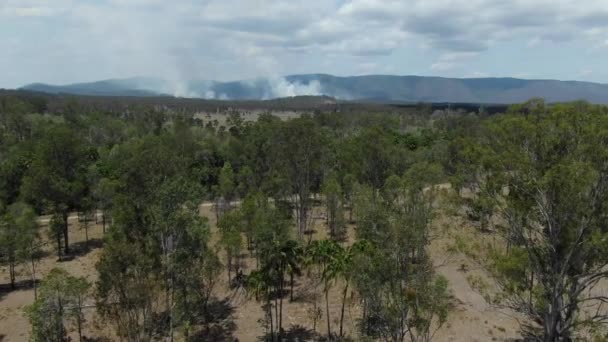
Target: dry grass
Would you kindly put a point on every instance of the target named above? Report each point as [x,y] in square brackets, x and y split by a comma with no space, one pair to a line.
[472,318]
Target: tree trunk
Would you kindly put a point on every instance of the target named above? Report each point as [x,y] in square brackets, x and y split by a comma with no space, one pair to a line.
[11,271]
[171,333]
[65,233]
[302,214]
[103,221]
[34,278]
[291,286]
[327,312]
[531,288]
[79,320]
[86,232]
[270,317]
[60,327]
[276,313]
[280,305]
[229,265]
[58,237]
[342,309]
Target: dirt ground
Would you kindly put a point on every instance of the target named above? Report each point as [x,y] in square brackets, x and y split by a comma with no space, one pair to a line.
[471,319]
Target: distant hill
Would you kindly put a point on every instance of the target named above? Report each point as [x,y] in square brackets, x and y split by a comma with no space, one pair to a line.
[372,88]
[117,87]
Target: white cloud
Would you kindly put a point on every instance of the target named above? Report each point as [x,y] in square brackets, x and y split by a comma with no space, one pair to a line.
[236,39]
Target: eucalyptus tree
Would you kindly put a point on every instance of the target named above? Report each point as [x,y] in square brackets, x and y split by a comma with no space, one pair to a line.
[334,208]
[300,156]
[323,254]
[401,294]
[230,228]
[61,298]
[18,239]
[548,167]
[56,178]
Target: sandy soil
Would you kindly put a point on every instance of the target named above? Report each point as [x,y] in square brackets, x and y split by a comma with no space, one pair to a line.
[471,319]
[14,326]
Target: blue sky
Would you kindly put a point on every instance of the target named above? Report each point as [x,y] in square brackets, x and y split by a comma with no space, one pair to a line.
[64,41]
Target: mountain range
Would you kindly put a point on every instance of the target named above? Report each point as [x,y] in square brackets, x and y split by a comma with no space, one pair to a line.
[373,88]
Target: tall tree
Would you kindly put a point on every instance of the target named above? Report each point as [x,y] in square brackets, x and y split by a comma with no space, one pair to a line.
[554,162]
[61,298]
[323,254]
[334,203]
[56,178]
[18,235]
[300,156]
[401,294]
[230,227]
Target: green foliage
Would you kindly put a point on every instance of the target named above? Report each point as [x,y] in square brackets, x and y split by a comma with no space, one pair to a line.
[18,235]
[230,227]
[401,294]
[226,182]
[61,298]
[334,207]
[147,169]
[552,159]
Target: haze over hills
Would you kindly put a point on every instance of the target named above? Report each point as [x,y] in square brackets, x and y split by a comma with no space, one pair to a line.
[377,88]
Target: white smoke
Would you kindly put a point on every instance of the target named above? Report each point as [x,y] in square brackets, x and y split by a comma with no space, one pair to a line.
[272,87]
[211,95]
[180,89]
[281,87]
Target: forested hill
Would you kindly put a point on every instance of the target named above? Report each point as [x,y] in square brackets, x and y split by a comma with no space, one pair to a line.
[371,88]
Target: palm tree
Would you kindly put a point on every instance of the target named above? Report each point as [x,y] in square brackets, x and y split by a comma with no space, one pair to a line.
[342,266]
[324,254]
[279,258]
[258,284]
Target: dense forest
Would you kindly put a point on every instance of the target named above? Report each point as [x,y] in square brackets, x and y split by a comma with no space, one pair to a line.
[532,181]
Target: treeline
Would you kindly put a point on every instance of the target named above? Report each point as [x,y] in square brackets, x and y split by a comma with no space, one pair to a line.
[147,171]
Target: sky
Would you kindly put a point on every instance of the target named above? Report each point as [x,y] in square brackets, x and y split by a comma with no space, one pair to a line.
[65,41]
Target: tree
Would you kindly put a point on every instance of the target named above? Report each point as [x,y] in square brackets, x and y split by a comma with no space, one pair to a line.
[323,254]
[343,266]
[195,269]
[230,227]
[227,186]
[103,194]
[177,227]
[349,184]
[87,211]
[258,284]
[401,294]
[61,297]
[249,208]
[301,152]
[371,154]
[128,287]
[77,290]
[56,177]
[554,163]
[335,214]
[279,257]
[18,239]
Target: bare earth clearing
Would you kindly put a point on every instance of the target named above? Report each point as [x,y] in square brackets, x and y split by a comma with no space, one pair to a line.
[471,318]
